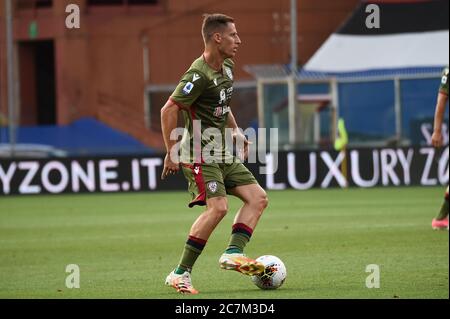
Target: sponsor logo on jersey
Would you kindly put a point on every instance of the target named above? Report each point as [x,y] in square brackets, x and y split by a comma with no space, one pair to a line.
[221,111]
[188,88]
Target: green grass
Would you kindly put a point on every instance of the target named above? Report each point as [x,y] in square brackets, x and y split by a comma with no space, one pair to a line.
[126,244]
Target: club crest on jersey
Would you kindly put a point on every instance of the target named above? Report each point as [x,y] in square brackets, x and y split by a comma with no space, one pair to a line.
[229,72]
[188,88]
[213,187]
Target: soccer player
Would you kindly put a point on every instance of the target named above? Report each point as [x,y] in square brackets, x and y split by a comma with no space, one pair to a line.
[441,221]
[203,99]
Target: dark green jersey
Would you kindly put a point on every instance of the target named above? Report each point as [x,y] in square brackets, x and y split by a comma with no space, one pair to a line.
[204,95]
[444,83]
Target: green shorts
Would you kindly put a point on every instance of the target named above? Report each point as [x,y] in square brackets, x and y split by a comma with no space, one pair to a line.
[207,181]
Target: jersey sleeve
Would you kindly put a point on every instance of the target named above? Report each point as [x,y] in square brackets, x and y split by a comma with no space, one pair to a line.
[444,82]
[191,86]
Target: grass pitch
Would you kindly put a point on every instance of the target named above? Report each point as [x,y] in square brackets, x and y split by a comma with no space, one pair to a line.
[126,244]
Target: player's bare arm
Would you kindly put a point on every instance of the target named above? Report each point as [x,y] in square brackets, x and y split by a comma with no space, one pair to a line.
[169,120]
[436,138]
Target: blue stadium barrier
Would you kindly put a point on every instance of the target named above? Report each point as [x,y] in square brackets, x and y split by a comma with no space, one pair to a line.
[85,137]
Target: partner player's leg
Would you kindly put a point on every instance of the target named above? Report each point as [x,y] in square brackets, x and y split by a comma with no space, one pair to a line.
[441,221]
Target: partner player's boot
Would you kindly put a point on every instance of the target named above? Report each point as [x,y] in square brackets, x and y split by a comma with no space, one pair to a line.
[241,263]
[182,283]
[439,224]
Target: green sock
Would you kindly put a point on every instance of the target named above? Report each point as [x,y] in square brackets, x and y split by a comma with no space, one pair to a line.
[192,250]
[237,244]
[234,251]
[444,211]
[239,239]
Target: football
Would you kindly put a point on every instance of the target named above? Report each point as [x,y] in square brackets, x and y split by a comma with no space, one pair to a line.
[274,274]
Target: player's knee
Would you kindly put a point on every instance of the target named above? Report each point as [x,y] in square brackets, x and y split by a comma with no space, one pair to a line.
[220,209]
[261,202]
[264,201]
[220,213]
